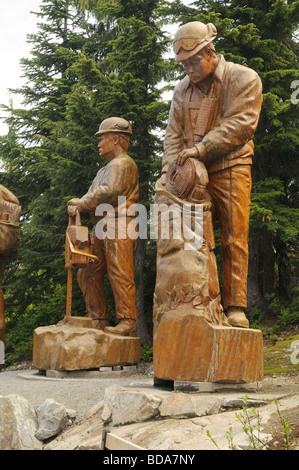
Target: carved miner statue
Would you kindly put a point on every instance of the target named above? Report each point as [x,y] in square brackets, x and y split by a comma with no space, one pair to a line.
[206,172]
[116,187]
[214,113]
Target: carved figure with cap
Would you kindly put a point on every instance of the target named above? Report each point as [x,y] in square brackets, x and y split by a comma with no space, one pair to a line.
[213,117]
[116,254]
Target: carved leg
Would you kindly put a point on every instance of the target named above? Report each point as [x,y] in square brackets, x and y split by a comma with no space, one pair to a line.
[91,282]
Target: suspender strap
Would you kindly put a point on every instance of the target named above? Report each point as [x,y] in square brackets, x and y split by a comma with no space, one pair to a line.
[188,134]
[205,116]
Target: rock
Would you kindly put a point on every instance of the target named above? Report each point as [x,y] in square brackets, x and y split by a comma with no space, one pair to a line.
[184,405]
[188,434]
[179,405]
[95,409]
[164,433]
[67,347]
[71,415]
[123,406]
[53,418]
[239,402]
[18,424]
[207,405]
[85,435]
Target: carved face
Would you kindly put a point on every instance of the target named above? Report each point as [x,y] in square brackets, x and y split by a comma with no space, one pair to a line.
[107,145]
[198,67]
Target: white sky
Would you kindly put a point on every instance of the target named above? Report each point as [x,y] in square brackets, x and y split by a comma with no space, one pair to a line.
[16,23]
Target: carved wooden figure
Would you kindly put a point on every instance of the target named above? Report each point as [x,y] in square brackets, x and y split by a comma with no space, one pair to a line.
[119,178]
[81,343]
[10,211]
[213,117]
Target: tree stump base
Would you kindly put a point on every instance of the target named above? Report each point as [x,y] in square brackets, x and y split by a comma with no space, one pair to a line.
[188,348]
[68,347]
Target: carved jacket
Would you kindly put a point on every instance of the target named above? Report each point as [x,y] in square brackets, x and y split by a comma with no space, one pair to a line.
[236,96]
[118,178]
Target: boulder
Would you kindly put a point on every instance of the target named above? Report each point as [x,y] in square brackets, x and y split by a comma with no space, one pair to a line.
[125,406]
[18,424]
[53,418]
[181,421]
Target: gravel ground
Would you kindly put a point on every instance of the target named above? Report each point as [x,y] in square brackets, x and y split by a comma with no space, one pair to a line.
[75,393]
[81,394]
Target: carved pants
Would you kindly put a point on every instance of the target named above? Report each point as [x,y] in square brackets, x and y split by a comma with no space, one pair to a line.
[230,191]
[116,258]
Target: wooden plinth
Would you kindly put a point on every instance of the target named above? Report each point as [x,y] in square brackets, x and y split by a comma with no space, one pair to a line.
[188,348]
[68,347]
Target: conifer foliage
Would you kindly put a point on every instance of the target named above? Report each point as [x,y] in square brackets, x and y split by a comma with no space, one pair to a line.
[85,66]
[92,59]
[263,35]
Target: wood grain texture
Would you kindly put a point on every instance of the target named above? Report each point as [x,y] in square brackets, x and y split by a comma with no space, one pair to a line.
[188,348]
[67,347]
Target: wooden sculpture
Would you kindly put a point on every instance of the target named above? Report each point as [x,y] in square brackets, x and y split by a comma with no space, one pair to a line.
[10,211]
[119,178]
[213,117]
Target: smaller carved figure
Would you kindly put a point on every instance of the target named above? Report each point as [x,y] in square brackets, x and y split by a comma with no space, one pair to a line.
[118,180]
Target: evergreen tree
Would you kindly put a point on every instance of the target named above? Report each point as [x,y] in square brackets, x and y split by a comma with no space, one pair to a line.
[262,35]
[45,167]
[133,69]
[82,70]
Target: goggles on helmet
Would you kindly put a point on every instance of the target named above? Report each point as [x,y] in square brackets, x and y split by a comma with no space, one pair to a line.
[192,37]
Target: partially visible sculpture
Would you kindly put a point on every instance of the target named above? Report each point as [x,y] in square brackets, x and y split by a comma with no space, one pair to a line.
[213,117]
[119,178]
[10,212]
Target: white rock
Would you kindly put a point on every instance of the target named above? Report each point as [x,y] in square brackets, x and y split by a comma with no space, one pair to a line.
[164,433]
[53,418]
[178,405]
[232,402]
[123,406]
[207,405]
[18,424]
[184,405]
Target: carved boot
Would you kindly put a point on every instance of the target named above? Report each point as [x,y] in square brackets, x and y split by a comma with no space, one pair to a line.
[236,317]
[99,323]
[126,327]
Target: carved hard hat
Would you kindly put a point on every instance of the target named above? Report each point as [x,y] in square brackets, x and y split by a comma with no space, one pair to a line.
[191,38]
[114,124]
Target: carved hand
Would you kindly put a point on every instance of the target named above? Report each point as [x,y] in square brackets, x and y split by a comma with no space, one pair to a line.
[186,153]
[72,206]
